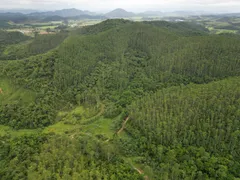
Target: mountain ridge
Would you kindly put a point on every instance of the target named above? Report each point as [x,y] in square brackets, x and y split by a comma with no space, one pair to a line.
[64,13]
[119,12]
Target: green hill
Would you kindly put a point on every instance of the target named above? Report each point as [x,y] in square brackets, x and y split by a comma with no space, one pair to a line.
[135,58]
[184,28]
[121,100]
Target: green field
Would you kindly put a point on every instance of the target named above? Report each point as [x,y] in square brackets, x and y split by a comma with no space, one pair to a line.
[47,27]
[7,131]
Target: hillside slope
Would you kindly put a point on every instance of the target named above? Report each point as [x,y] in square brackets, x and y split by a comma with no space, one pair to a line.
[194,126]
[121,100]
[134,58]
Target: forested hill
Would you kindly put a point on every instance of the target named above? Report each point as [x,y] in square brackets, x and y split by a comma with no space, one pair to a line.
[64,98]
[9,38]
[15,45]
[184,28]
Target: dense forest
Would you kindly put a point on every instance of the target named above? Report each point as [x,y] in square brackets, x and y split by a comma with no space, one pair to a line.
[120,100]
[38,45]
[9,38]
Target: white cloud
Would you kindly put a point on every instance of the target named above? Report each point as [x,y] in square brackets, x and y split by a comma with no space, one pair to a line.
[133,5]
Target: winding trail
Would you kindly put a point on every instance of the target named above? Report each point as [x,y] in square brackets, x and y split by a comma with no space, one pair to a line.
[123,125]
[141,172]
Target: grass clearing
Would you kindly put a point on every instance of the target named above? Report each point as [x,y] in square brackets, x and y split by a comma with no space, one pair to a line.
[103,126]
[46,27]
[70,121]
[220,31]
[74,116]
[137,18]
[61,128]
[6,130]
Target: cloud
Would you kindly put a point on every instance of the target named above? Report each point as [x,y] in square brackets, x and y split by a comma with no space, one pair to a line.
[127,4]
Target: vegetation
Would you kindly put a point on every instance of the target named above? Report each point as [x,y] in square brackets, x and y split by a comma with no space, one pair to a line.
[9,38]
[40,44]
[190,127]
[185,28]
[121,100]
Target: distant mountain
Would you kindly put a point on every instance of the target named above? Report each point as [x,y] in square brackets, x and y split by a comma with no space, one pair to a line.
[227,15]
[53,18]
[118,13]
[63,13]
[14,17]
[23,11]
[151,13]
[170,14]
[86,16]
[184,13]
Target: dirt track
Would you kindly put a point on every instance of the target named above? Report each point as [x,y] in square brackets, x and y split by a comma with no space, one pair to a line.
[119,131]
[141,172]
[123,125]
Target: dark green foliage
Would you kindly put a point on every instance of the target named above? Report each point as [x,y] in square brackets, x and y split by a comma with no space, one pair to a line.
[40,113]
[130,59]
[31,74]
[11,37]
[44,43]
[40,44]
[104,26]
[60,157]
[183,28]
[17,154]
[204,116]
[8,38]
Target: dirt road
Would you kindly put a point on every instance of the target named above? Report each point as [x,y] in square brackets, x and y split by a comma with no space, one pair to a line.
[123,125]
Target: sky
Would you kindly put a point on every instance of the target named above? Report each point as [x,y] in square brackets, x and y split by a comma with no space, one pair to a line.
[130,5]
